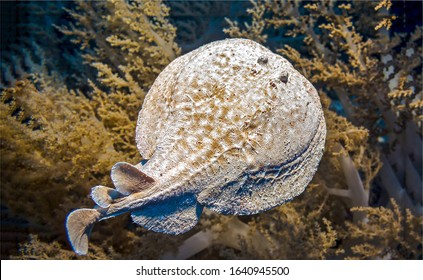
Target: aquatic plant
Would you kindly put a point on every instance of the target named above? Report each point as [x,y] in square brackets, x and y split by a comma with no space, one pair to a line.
[386,234]
[49,136]
[56,143]
[197,22]
[35,249]
[30,44]
[128,43]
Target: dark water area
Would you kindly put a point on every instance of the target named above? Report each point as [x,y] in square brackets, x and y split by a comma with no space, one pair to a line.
[409,13]
[26,28]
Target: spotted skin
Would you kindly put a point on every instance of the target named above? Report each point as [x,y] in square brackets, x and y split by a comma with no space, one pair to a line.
[230,126]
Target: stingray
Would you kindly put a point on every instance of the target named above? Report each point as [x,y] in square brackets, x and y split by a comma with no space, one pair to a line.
[230,126]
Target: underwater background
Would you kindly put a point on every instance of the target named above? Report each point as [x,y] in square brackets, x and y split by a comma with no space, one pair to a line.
[73,78]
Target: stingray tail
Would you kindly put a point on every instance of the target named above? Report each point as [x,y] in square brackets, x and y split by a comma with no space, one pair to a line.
[79,224]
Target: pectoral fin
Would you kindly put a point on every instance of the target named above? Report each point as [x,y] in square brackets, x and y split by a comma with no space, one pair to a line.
[174,215]
[128,179]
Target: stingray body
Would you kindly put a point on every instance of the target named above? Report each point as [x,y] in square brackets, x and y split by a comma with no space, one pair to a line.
[230,126]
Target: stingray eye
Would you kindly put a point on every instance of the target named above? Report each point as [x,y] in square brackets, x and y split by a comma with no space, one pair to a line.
[262,60]
[283,78]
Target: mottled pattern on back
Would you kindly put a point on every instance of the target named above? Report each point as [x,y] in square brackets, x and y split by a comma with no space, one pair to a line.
[232,114]
[230,126]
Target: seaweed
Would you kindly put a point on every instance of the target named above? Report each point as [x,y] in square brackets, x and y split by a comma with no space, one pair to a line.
[57,142]
[386,234]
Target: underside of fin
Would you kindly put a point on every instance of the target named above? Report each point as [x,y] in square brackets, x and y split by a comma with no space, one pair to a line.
[175,215]
[128,179]
[104,196]
[79,224]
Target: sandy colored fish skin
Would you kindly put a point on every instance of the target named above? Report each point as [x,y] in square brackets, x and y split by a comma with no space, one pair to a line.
[230,126]
[234,110]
